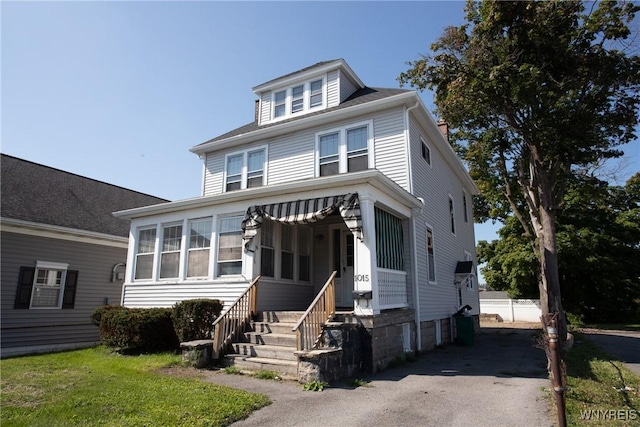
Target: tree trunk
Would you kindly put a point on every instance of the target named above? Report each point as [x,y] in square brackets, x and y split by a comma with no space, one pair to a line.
[550,297]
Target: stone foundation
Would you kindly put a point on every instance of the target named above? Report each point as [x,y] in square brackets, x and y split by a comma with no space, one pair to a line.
[197,353]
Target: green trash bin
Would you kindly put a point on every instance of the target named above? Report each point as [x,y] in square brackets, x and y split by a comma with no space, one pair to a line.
[465,330]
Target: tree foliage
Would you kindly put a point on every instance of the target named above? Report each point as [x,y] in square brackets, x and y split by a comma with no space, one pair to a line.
[599,248]
[532,90]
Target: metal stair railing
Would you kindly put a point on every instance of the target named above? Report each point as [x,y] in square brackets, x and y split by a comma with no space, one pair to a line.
[322,309]
[233,322]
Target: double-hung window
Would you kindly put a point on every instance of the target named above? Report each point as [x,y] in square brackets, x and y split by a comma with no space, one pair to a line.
[426,151]
[245,169]
[315,97]
[170,256]
[280,104]
[464,206]
[297,99]
[431,261]
[286,256]
[267,251]
[344,150]
[304,253]
[329,154]
[48,285]
[452,215]
[145,253]
[230,246]
[199,244]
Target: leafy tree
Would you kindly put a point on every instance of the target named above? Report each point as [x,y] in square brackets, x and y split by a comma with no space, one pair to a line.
[533,90]
[598,234]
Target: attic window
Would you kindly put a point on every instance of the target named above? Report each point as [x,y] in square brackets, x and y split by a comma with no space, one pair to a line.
[426,152]
[297,99]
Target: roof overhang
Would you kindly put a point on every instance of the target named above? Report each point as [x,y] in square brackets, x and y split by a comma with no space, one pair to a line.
[18,226]
[309,73]
[371,177]
[407,98]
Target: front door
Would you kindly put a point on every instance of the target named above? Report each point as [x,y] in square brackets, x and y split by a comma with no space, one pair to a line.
[343,258]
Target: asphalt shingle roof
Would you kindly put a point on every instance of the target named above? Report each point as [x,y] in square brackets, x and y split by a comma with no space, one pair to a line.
[41,194]
[361,96]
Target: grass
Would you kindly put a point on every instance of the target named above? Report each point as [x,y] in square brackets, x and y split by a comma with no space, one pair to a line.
[266,375]
[358,382]
[598,382]
[94,387]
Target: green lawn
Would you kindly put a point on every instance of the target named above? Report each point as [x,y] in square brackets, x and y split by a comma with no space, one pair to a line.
[599,384]
[95,387]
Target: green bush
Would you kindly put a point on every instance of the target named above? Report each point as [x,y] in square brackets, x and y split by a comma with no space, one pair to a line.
[193,319]
[139,330]
[97,314]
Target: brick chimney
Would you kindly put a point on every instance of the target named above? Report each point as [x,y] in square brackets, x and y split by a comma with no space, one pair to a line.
[444,128]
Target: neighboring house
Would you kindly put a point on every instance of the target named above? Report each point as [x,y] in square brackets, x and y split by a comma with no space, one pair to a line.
[62,254]
[331,175]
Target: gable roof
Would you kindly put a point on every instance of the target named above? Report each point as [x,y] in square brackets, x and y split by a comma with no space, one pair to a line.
[323,66]
[361,96]
[41,194]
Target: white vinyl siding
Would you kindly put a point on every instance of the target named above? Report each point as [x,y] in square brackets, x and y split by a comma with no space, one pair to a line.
[291,157]
[347,87]
[435,183]
[390,147]
[265,108]
[333,93]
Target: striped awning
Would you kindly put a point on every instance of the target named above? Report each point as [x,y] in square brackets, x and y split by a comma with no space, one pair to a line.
[304,212]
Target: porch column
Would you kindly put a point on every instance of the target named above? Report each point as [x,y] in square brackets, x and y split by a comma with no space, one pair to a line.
[365,269]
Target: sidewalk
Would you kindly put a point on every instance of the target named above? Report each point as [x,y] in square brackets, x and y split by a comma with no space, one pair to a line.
[497,381]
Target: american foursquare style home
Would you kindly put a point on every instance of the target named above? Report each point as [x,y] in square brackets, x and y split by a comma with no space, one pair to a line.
[339,208]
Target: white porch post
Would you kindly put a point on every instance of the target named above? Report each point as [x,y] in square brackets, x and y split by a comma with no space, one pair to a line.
[365,270]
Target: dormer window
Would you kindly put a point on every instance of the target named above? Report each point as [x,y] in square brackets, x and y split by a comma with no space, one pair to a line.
[315,99]
[298,99]
[279,108]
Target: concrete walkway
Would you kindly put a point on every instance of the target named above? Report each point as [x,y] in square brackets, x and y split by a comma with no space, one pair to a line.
[624,345]
[499,381]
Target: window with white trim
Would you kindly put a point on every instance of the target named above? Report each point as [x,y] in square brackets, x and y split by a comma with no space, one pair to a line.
[170,254]
[280,104]
[452,215]
[146,248]
[287,243]
[199,244]
[302,97]
[344,150]
[230,246]
[464,206]
[431,260]
[297,99]
[267,249]
[245,169]
[45,286]
[280,246]
[315,96]
[48,284]
[426,151]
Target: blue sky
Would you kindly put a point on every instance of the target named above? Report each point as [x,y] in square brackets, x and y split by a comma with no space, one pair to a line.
[119,91]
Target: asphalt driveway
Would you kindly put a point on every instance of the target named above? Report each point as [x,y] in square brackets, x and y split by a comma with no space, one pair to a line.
[500,380]
[624,345]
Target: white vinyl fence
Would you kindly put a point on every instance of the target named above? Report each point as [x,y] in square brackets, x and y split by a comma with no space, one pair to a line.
[512,310]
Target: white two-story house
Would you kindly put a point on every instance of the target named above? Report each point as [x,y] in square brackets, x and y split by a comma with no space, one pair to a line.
[330,176]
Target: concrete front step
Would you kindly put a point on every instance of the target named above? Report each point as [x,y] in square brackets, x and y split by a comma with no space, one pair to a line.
[267,351]
[280,316]
[274,327]
[286,368]
[270,338]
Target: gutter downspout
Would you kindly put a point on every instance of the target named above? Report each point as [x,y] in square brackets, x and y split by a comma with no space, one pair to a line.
[413,227]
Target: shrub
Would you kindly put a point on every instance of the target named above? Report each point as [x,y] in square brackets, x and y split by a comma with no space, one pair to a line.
[193,319]
[97,314]
[137,330]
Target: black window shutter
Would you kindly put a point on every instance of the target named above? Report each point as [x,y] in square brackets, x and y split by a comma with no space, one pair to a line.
[69,298]
[25,284]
